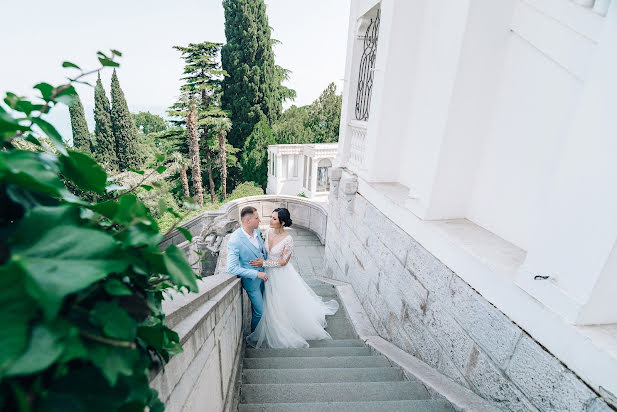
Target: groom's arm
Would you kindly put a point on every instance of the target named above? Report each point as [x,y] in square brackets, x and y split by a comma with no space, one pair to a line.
[233,263]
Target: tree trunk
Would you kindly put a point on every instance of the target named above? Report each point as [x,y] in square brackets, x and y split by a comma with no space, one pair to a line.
[191,126]
[210,177]
[185,182]
[223,152]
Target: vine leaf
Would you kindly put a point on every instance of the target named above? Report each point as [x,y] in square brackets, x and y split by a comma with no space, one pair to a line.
[179,269]
[84,171]
[17,310]
[60,258]
[45,347]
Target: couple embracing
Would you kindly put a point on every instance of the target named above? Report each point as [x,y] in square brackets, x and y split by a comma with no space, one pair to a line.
[286,311]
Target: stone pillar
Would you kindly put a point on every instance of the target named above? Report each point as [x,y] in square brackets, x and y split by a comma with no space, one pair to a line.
[576,231]
[335,178]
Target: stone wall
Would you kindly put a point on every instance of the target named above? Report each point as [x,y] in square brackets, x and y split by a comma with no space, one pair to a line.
[211,325]
[420,305]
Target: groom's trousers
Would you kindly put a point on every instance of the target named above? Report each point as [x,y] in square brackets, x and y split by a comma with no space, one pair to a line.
[257,301]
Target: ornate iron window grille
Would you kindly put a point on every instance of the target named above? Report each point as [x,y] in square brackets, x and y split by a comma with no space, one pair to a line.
[367,66]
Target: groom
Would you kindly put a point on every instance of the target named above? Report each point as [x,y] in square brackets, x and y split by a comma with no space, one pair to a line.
[245,245]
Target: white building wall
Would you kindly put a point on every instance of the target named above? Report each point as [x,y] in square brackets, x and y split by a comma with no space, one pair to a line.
[496,119]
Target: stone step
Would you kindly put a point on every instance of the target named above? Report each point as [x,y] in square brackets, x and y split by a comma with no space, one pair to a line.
[321,375]
[306,352]
[374,406]
[327,343]
[340,328]
[332,392]
[315,362]
[324,290]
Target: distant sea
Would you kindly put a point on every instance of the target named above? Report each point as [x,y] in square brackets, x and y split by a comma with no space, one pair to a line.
[59,117]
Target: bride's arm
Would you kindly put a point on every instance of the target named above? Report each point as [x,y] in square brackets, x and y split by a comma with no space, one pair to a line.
[287,252]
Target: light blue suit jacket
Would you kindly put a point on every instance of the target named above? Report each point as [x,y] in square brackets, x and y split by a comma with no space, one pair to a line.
[240,251]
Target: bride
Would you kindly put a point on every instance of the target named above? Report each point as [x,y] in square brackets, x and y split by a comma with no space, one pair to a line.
[292,312]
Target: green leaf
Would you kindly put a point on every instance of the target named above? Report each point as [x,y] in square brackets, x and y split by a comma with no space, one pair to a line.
[159,157]
[179,269]
[60,257]
[115,321]
[105,62]
[116,52]
[68,95]
[45,347]
[46,90]
[17,311]
[161,169]
[69,64]
[141,172]
[52,133]
[117,288]
[125,211]
[174,213]
[139,235]
[84,171]
[147,187]
[186,233]
[114,362]
[35,171]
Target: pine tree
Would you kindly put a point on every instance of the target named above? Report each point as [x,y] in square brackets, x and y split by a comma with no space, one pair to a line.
[106,143]
[253,86]
[81,135]
[125,132]
[255,153]
[191,127]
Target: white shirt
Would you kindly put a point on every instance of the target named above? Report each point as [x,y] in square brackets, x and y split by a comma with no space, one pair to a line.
[252,239]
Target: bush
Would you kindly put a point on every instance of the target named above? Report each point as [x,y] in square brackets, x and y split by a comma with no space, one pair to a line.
[81,281]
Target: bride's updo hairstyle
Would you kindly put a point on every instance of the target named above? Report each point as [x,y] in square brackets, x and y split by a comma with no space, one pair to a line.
[283,215]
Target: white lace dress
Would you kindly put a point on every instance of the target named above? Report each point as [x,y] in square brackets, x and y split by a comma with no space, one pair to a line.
[292,313]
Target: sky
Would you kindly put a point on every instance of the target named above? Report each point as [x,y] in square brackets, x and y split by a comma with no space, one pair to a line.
[313,36]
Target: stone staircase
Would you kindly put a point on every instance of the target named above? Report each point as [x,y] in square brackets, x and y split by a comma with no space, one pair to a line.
[339,375]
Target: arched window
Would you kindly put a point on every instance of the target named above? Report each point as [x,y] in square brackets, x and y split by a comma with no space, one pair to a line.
[367,67]
[323,175]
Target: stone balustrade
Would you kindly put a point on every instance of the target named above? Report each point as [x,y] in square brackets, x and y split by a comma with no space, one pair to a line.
[211,325]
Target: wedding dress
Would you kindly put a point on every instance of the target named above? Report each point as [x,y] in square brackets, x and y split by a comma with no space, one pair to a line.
[292,312]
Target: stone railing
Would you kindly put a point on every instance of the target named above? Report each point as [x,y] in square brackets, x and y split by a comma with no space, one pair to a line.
[357,145]
[211,325]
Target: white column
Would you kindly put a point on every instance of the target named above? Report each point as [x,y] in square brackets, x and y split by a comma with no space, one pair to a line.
[577,227]
[400,24]
[456,123]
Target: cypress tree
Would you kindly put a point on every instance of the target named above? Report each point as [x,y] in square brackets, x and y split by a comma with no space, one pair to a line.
[106,143]
[123,126]
[81,135]
[253,86]
[255,153]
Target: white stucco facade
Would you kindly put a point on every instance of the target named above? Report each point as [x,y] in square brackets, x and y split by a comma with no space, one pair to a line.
[491,140]
[295,169]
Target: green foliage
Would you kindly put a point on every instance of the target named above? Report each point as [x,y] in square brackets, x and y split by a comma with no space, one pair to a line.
[324,116]
[316,123]
[167,220]
[291,127]
[123,128]
[147,122]
[81,135]
[255,154]
[103,133]
[81,282]
[253,87]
